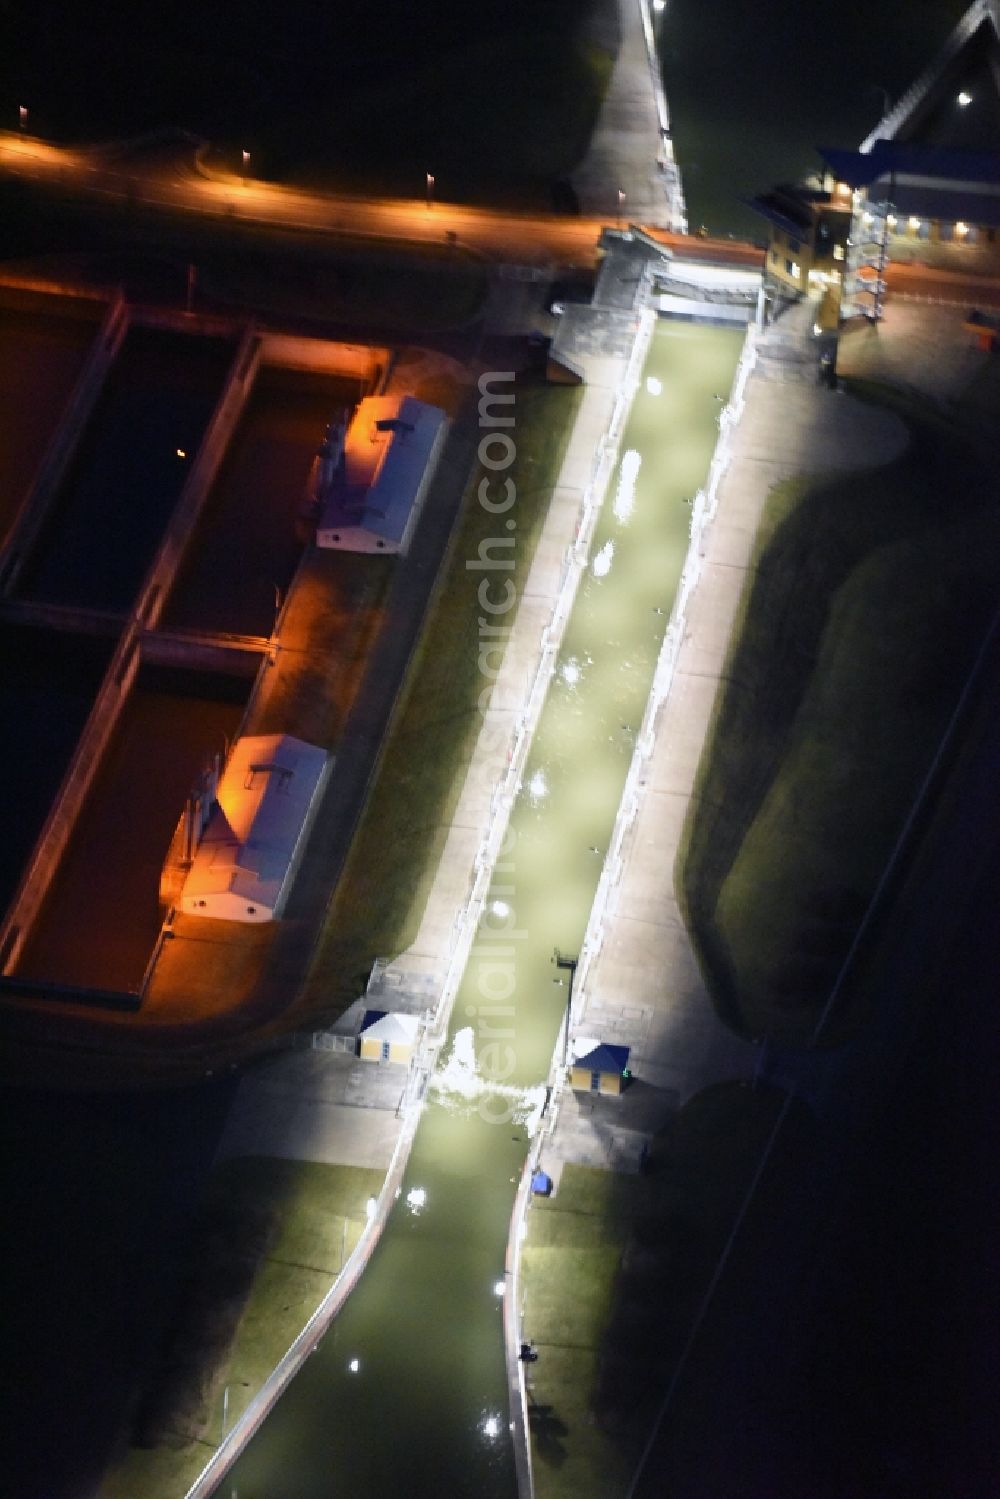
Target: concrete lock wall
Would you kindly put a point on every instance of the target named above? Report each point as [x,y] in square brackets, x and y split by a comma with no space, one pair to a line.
[218,655]
[32,294]
[65,810]
[202,475]
[124,666]
[37,503]
[366,362]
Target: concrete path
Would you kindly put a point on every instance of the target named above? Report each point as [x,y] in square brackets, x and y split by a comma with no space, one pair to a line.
[628,151]
[317,1106]
[924,347]
[645,989]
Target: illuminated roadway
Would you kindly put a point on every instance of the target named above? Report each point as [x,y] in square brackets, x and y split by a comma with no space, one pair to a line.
[167,174]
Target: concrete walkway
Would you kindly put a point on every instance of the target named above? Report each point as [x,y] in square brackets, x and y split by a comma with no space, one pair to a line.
[628,150]
[645,988]
[317,1106]
[925,348]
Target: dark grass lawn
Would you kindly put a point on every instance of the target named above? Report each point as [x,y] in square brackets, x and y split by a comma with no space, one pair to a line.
[497,99]
[868,600]
[269,1239]
[395,853]
[512,115]
[615,1268]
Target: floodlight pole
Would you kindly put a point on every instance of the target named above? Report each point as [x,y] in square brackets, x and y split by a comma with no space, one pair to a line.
[564,961]
[272,644]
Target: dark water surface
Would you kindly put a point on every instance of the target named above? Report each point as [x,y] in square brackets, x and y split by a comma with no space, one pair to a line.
[246,543]
[40,358]
[48,683]
[102,913]
[130,468]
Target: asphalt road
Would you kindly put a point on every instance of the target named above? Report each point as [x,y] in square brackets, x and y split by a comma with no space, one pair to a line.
[943,286]
[166,174]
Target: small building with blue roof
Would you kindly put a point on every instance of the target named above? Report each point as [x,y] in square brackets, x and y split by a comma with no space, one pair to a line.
[599,1067]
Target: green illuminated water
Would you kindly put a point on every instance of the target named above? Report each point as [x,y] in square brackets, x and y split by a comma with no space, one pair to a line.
[423,1412]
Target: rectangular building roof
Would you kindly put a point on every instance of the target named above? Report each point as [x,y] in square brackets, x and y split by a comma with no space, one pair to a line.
[388,452]
[389,1025]
[601,1056]
[246,855]
[931,163]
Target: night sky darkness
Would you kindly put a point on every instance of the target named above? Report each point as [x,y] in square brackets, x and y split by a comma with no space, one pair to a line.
[385,91]
[362,93]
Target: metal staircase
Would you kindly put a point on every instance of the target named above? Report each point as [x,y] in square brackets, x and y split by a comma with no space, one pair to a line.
[867,258]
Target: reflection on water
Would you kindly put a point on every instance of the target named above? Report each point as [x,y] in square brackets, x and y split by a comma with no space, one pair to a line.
[538,786]
[625,493]
[601,564]
[400,1396]
[426,1412]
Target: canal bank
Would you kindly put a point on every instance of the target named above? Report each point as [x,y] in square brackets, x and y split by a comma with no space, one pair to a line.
[462,1444]
[641,986]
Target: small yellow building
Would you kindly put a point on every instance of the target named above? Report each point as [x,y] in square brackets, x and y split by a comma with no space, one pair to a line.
[387,1036]
[599,1068]
[923,187]
[809,230]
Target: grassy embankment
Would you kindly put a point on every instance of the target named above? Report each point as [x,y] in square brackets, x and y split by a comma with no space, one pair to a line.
[867,601]
[394,856]
[270,1239]
[615,1268]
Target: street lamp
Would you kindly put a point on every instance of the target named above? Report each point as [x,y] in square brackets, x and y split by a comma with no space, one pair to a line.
[246,163]
[621,204]
[430,188]
[273,643]
[568,964]
[22,116]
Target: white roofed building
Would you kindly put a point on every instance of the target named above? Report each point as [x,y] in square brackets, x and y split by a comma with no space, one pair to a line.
[243,867]
[371,502]
[387,1036]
